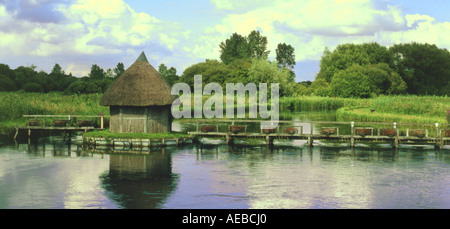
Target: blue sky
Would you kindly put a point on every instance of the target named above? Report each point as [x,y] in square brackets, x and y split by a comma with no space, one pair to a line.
[180,33]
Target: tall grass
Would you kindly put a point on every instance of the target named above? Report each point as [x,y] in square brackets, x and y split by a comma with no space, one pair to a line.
[425,106]
[318,103]
[423,109]
[13,105]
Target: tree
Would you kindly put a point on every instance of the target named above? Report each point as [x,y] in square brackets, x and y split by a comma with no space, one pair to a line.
[118,70]
[235,47]
[6,84]
[263,71]
[57,71]
[425,68]
[257,45]
[285,56]
[170,75]
[319,87]
[32,87]
[211,71]
[82,86]
[240,47]
[360,82]
[347,55]
[96,72]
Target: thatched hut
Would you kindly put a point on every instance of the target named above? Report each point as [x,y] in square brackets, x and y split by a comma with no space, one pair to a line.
[140,100]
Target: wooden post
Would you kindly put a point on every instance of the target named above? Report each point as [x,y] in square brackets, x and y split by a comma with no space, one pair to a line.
[101,122]
[269,140]
[17,132]
[310,141]
[121,120]
[352,139]
[145,120]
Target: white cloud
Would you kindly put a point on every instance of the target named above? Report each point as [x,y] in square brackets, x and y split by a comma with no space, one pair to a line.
[310,26]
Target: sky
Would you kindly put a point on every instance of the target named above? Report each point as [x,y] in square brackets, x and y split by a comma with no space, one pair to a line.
[179,33]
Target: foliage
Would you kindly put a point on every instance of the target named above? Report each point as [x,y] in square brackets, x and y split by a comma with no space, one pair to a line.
[14,105]
[118,70]
[241,47]
[6,84]
[347,55]
[210,70]
[411,68]
[264,71]
[32,87]
[257,45]
[285,56]
[392,108]
[96,72]
[358,81]
[170,75]
[82,87]
[425,68]
[235,47]
[319,103]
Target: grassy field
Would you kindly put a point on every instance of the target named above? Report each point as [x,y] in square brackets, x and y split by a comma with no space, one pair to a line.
[413,109]
[14,105]
[406,109]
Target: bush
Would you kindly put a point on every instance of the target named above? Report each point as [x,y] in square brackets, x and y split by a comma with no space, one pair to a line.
[6,84]
[32,87]
[360,82]
[82,87]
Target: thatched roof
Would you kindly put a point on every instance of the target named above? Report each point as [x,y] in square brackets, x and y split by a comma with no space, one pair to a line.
[139,85]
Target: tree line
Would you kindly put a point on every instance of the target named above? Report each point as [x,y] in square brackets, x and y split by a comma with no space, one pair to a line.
[369,69]
[27,79]
[350,70]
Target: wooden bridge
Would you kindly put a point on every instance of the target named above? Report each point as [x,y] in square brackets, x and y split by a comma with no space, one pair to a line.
[62,123]
[352,132]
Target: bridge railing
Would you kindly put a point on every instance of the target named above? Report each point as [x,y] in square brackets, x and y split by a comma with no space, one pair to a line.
[62,118]
[392,129]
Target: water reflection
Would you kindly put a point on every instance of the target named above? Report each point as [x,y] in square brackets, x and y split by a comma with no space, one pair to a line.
[140,181]
[51,173]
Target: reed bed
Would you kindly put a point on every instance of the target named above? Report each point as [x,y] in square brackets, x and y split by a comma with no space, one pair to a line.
[318,103]
[13,105]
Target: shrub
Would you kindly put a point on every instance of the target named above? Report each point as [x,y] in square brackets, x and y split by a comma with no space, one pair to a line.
[32,87]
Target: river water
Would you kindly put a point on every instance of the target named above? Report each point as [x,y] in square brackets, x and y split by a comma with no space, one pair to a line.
[49,173]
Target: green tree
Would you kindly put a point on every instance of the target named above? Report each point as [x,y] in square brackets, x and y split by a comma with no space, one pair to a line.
[285,56]
[32,87]
[6,84]
[360,81]
[24,75]
[118,70]
[82,86]
[319,87]
[96,72]
[211,71]
[57,71]
[170,75]
[257,45]
[7,71]
[347,55]
[424,67]
[235,47]
[263,71]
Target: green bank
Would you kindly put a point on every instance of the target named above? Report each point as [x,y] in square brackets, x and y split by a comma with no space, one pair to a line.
[404,109]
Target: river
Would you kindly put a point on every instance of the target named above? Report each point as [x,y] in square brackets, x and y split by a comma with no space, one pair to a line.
[49,173]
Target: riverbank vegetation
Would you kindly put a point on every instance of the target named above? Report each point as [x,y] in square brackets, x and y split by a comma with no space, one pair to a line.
[400,108]
[371,82]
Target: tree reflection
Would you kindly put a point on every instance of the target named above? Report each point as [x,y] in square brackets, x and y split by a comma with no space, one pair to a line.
[140,181]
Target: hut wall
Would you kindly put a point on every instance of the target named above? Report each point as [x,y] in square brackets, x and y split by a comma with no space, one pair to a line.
[152,119]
